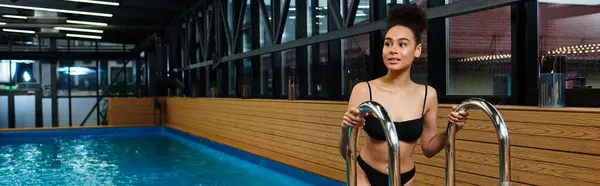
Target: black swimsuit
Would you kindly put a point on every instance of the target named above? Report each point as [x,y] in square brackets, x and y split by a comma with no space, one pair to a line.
[409,131]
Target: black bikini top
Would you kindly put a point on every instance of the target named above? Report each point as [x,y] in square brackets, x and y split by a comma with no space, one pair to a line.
[409,131]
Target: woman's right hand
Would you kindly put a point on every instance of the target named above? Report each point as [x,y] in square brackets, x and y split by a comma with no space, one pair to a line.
[353,118]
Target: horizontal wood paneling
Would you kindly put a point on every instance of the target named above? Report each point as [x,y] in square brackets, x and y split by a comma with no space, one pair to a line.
[548,146]
[132,111]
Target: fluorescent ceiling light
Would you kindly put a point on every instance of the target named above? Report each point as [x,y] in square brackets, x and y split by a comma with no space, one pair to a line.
[96,2]
[79,29]
[86,23]
[75,70]
[19,31]
[84,36]
[14,16]
[22,61]
[572,2]
[56,10]
[2,23]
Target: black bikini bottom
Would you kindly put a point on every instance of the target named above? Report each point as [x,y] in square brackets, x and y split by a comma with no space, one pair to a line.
[377,178]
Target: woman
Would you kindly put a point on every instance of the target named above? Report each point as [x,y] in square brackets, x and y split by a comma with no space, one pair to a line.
[412,106]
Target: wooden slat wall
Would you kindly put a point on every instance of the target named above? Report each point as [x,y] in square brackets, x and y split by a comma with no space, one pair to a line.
[128,111]
[548,146]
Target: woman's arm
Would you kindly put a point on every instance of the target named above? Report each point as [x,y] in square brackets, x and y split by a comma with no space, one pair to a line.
[358,95]
[433,142]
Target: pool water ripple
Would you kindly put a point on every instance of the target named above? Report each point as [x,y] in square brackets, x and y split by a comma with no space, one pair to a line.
[122,160]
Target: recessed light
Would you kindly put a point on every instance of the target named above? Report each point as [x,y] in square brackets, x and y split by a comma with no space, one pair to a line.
[15,16]
[19,31]
[79,29]
[96,2]
[86,23]
[84,36]
[56,10]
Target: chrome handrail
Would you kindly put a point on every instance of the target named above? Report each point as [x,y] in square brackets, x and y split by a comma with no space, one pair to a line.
[501,131]
[389,129]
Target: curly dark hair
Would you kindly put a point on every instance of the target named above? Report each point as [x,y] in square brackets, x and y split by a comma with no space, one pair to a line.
[410,16]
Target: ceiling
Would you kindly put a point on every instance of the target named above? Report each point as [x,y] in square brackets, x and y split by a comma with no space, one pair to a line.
[131,21]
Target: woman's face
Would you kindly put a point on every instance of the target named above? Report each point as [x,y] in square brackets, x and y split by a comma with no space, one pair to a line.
[400,48]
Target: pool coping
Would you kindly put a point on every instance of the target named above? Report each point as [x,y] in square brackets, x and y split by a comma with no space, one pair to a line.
[75,128]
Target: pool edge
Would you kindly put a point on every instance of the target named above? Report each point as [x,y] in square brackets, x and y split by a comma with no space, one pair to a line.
[74,128]
[257,159]
[78,131]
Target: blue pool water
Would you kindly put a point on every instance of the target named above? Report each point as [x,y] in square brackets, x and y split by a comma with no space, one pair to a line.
[135,156]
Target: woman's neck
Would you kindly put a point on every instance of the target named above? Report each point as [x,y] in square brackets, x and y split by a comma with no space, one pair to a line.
[397,79]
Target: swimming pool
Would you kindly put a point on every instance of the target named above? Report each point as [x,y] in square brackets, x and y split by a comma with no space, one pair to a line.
[153,155]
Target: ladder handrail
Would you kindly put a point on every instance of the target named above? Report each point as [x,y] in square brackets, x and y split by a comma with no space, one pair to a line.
[389,129]
[501,131]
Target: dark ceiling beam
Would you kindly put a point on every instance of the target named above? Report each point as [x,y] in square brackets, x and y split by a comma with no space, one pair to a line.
[190,10]
[66,5]
[154,4]
[125,36]
[118,21]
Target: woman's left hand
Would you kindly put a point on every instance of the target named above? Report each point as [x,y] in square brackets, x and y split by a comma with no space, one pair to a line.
[458,118]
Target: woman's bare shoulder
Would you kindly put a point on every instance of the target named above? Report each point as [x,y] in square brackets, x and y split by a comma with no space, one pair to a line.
[360,88]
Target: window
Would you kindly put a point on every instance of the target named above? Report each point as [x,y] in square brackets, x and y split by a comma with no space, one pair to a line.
[480,48]
[80,75]
[356,58]
[572,30]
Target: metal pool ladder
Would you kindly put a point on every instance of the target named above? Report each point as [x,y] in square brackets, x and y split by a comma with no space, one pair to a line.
[376,109]
[501,131]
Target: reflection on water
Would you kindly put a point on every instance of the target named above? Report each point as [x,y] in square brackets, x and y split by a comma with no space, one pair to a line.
[148,160]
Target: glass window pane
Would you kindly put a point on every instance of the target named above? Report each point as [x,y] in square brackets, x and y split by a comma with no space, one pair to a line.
[362,13]
[266,75]
[318,73]
[317,18]
[63,111]
[247,80]
[3,111]
[232,78]
[419,67]
[289,31]
[121,78]
[80,108]
[210,88]
[246,27]
[480,48]
[46,79]
[80,75]
[571,29]
[24,111]
[47,111]
[7,71]
[288,61]
[355,58]
[265,38]
[23,71]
